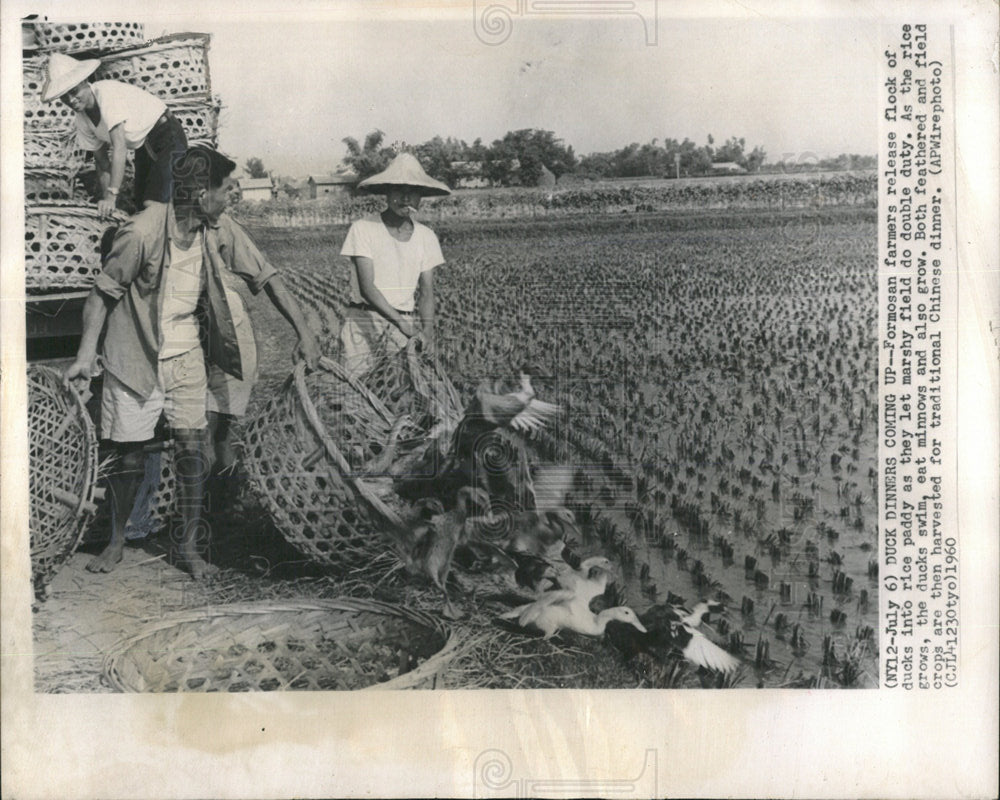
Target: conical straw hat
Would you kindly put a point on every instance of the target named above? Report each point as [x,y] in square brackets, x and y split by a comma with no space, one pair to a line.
[404,170]
[65,73]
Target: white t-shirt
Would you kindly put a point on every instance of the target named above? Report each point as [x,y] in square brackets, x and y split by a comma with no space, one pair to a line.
[397,265]
[181,290]
[136,109]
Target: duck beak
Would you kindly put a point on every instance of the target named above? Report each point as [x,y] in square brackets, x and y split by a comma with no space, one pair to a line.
[640,626]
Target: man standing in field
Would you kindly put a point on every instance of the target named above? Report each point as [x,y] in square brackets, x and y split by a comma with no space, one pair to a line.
[393,257]
[161,302]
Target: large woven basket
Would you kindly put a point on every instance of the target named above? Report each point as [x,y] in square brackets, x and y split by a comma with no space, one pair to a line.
[200,119]
[52,149]
[173,67]
[45,186]
[323,449]
[346,643]
[63,467]
[38,115]
[71,37]
[306,454]
[62,246]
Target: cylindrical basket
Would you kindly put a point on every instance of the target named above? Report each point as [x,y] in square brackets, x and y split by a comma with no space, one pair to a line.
[54,115]
[71,37]
[173,68]
[43,186]
[62,246]
[52,149]
[200,119]
[307,455]
[63,467]
[346,643]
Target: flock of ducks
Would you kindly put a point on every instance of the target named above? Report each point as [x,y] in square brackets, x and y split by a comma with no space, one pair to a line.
[534,526]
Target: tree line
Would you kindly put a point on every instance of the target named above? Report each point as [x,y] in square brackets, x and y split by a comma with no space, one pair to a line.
[524,157]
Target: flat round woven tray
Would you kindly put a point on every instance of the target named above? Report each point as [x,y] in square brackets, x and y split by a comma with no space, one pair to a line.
[345,643]
[63,465]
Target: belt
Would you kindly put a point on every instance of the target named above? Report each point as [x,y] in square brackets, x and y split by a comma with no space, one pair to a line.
[368,307]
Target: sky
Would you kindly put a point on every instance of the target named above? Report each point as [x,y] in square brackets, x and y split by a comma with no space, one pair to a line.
[296,79]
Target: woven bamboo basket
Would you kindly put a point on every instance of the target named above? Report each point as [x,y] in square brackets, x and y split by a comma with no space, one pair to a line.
[38,115]
[346,643]
[306,454]
[200,119]
[52,149]
[62,246]
[71,37]
[44,186]
[63,471]
[323,449]
[173,67]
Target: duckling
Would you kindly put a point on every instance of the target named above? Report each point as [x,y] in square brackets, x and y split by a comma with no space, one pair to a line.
[551,615]
[536,531]
[435,549]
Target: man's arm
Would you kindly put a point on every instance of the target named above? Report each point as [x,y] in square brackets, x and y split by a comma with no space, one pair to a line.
[95,311]
[286,303]
[112,172]
[425,305]
[371,294]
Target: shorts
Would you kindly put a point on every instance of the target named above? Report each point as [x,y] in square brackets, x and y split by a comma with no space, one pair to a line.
[154,161]
[126,416]
[363,334]
[229,395]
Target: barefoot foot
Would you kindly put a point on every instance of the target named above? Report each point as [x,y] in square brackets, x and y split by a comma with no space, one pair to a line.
[107,560]
[200,569]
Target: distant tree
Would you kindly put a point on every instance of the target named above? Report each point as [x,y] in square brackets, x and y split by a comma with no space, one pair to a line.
[520,155]
[437,156]
[369,158]
[255,168]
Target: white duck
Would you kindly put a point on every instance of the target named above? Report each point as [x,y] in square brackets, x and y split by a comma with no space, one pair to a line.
[552,614]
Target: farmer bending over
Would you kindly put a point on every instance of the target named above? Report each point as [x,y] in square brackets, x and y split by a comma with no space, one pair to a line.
[161,294]
[112,118]
[393,257]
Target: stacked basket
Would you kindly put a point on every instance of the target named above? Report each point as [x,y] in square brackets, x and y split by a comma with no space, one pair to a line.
[62,228]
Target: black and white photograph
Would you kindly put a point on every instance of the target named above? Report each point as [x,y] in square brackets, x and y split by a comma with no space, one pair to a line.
[553,347]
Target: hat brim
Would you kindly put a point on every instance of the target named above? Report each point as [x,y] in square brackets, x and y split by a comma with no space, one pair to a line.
[425,191]
[53,90]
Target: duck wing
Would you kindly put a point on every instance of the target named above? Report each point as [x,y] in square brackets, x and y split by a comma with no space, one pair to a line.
[535,416]
[542,605]
[699,650]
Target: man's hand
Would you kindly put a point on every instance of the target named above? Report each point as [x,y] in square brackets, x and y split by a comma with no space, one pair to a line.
[406,327]
[106,206]
[80,370]
[308,350]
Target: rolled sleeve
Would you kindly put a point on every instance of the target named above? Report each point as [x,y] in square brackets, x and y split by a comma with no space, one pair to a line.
[122,264]
[242,255]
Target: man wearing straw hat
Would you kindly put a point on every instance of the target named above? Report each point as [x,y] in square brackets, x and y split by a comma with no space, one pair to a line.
[393,257]
[111,118]
[162,294]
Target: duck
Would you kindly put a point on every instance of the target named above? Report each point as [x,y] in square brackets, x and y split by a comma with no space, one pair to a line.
[520,410]
[436,538]
[536,531]
[671,632]
[554,612]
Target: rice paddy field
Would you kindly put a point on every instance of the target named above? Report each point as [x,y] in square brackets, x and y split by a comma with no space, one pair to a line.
[717,377]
